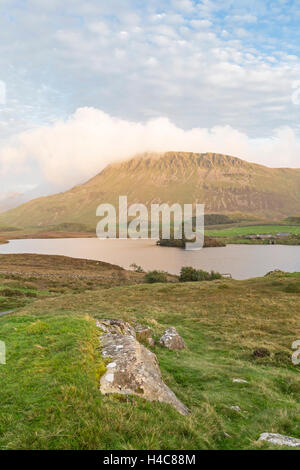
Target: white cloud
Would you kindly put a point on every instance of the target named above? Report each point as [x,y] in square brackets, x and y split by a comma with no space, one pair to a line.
[200,24]
[2,92]
[71,151]
[246,18]
[225,75]
[113,54]
[185,6]
[99,27]
[124,34]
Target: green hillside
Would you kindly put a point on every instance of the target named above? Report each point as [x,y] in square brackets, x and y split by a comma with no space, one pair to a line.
[223,183]
[50,396]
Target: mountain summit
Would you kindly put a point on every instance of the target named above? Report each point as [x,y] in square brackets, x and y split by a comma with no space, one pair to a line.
[225,184]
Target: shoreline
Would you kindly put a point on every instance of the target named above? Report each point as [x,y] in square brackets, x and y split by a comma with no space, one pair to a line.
[219,243]
[212,237]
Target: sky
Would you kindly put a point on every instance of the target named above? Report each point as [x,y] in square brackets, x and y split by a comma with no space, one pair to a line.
[86,83]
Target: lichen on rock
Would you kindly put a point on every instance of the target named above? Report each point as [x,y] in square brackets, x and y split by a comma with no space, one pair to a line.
[171,339]
[109,325]
[279,439]
[133,369]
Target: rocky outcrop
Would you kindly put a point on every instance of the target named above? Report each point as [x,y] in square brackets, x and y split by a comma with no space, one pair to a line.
[118,327]
[279,439]
[171,339]
[132,369]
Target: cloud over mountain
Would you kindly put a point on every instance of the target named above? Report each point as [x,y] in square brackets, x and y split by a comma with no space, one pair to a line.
[70,151]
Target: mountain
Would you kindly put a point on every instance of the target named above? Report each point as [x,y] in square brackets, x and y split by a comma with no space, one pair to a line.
[225,184]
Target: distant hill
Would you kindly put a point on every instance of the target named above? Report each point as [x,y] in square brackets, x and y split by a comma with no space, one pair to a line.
[225,184]
[10,200]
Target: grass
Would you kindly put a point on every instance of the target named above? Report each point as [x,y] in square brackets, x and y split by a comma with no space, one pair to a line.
[49,393]
[13,296]
[253,230]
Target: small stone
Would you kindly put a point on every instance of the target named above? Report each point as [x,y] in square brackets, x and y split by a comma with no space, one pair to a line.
[236,408]
[240,381]
[171,339]
[279,439]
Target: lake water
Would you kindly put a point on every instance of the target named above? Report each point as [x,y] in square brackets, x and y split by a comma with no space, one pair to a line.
[241,261]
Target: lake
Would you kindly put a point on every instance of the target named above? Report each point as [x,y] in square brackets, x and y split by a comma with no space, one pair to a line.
[241,261]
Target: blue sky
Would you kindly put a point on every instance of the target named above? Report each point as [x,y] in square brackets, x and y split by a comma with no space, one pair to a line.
[97,72]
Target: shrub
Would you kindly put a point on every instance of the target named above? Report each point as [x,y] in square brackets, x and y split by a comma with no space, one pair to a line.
[137,268]
[155,276]
[215,275]
[189,274]
[292,289]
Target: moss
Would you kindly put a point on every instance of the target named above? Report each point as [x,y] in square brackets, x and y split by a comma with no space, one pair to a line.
[100,370]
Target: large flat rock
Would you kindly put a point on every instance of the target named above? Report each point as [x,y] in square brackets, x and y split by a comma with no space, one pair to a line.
[133,369]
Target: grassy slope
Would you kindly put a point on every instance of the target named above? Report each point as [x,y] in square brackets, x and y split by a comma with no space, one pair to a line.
[58,274]
[49,393]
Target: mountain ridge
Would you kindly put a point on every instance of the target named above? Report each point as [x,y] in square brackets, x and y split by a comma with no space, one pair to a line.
[225,184]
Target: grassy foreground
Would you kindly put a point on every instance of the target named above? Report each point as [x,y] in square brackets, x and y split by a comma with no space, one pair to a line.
[49,385]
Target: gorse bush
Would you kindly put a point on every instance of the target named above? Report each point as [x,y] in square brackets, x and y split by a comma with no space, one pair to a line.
[155,276]
[189,274]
